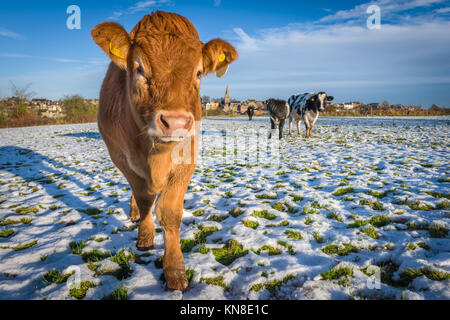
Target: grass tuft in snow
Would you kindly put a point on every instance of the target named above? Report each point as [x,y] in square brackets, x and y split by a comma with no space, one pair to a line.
[342,191]
[80,293]
[264,214]
[24,246]
[217,281]
[55,276]
[120,293]
[5,233]
[294,234]
[230,252]
[341,250]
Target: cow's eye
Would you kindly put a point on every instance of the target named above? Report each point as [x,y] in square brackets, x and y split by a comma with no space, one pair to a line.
[140,70]
[199,74]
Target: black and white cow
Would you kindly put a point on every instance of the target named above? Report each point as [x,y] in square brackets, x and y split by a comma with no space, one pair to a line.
[306,107]
[278,113]
[251,113]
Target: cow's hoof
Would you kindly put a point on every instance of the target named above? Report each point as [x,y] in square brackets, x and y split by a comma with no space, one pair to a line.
[144,245]
[176,280]
[135,219]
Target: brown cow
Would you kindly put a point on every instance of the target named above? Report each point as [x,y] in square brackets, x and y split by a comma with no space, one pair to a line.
[150,106]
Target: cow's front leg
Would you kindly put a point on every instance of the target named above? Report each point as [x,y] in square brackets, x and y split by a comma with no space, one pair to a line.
[298,127]
[272,127]
[146,233]
[290,126]
[169,211]
[135,215]
[281,127]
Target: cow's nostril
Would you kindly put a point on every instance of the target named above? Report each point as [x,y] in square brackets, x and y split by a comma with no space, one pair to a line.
[164,122]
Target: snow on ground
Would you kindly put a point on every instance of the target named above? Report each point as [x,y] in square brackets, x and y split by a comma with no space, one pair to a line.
[360,211]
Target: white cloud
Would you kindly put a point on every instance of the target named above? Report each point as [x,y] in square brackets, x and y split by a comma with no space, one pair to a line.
[443,10]
[388,7]
[10,34]
[140,7]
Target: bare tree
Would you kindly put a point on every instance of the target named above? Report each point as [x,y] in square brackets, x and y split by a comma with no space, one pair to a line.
[21,95]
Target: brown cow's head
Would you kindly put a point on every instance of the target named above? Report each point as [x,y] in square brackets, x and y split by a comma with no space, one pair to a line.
[164,61]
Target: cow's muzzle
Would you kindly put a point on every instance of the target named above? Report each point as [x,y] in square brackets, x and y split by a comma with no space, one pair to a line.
[172,126]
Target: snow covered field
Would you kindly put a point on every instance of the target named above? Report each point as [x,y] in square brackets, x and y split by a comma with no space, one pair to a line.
[360,211]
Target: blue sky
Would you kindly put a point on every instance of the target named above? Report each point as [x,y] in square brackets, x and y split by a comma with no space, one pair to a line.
[285,47]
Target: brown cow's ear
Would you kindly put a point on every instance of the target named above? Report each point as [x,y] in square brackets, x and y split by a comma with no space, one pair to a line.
[217,56]
[114,41]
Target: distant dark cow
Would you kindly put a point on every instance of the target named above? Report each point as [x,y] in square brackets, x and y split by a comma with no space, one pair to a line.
[306,107]
[251,113]
[278,112]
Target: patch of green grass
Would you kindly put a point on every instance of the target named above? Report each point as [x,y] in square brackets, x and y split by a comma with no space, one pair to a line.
[411,246]
[120,293]
[441,205]
[217,281]
[443,180]
[200,237]
[90,211]
[55,276]
[371,232]
[380,221]
[357,223]
[308,220]
[123,259]
[24,220]
[187,245]
[27,210]
[378,194]
[77,247]
[309,210]
[202,249]
[228,195]
[318,237]
[423,245]
[198,213]
[264,214]
[296,197]
[94,256]
[283,223]
[342,250]
[80,293]
[24,246]
[435,194]
[437,231]
[336,273]
[266,196]
[375,204]
[342,191]
[250,224]
[335,216]
[274,285]
[190,274]
[236,212]
[271,250]
[278,206]
[408,275]
[296,235]
[217,218]
[5,233]
[230,252]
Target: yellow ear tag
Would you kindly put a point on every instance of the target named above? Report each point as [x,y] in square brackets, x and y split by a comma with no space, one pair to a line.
[222,57]
[313,99]
[115,51]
